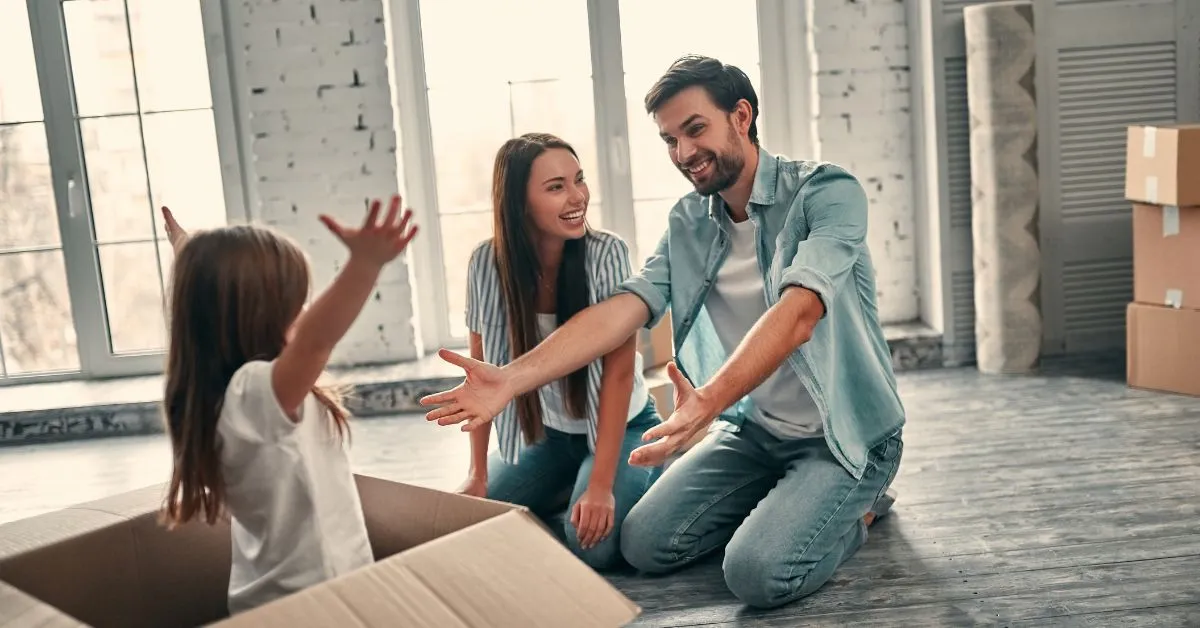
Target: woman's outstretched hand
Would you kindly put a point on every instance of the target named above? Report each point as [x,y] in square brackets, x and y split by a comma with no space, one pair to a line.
[476,401]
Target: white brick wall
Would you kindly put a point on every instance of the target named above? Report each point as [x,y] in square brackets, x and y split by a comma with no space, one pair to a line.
[860,58]
[320,119]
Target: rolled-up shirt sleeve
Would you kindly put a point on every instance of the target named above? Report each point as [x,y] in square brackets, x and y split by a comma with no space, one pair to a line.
[652,284]
[835,207]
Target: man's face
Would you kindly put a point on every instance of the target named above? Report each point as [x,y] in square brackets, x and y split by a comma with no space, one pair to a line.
[702,140]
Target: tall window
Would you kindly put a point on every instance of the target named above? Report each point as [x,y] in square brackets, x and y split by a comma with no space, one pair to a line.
[106,114]
[528,65]
[529,70]
[653,34]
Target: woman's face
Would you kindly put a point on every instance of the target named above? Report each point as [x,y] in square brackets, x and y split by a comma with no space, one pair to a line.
[558,195]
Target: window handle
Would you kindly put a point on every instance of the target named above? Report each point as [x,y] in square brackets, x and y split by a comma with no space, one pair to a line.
[618,152]
[74,202]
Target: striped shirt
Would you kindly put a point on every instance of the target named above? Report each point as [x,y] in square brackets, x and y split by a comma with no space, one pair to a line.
[607,267]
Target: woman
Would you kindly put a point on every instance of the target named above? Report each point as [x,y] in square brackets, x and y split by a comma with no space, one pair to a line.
[566,445]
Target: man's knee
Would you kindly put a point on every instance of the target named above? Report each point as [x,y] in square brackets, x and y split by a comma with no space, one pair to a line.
[647,544]
[761,576]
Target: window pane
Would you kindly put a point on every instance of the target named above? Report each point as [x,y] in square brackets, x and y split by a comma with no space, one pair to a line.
[648,50]
[36,332]
[116,172]
[651,218]
[468,124]
[514,40]
[565,108]
[733,39]
[166,257]
[27,211]
[512,68]
[185,169]
[169,55]
[134,305]
[464,231]
[20,97]
[101,64]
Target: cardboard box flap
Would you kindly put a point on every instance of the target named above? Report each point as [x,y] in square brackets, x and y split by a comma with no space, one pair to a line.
[122,565]
[504,572]
[27,535]
[401,516]
[386,594]
[510,571]
[18,610]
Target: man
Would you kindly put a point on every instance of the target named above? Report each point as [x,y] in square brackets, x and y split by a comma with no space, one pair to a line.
[766,271]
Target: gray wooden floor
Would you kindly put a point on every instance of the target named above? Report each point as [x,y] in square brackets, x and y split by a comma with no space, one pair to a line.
[1063,499]
[1058,500]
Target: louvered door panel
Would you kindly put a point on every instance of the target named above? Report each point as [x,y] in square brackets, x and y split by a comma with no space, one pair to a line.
[1099,92]
[1101,66]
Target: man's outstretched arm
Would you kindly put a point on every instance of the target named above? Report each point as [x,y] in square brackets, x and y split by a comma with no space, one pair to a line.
[588,335]
[594,332]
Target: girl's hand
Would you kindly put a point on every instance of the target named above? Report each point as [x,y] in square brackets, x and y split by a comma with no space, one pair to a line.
[175,234]
[475,486]
[593,516]
[376,243]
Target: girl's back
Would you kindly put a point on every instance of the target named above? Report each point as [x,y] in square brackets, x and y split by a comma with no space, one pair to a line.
[253,435]
[297,519]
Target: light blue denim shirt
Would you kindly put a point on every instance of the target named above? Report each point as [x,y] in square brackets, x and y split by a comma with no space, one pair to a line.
[811,225]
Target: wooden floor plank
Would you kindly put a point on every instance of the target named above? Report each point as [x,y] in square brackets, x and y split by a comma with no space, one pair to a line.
[1046,500]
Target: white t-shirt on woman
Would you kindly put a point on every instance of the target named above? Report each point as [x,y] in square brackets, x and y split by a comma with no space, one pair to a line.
[296,516]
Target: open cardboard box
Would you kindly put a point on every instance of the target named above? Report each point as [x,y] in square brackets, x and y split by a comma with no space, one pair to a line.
[444,560]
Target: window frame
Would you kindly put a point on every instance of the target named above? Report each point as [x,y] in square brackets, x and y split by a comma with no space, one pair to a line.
[73,202]
[785,78]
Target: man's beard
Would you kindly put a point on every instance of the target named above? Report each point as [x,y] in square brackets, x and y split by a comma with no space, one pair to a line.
[726,168]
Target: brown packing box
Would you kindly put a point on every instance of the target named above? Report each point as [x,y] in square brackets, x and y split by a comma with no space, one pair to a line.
[655,344]
[1166,255]
[1163,348]
[1162,164]
[445,561]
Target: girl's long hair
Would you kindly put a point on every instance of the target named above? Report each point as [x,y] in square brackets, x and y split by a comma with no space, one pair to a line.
[235,293]
[520,271]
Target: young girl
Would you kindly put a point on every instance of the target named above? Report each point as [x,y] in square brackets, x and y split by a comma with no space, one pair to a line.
[567,444]
[252,434]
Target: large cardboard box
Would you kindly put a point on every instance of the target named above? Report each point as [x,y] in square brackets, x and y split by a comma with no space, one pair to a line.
[444,560]
[1166,255]
[656,344]
[1163,350]
[1162,164]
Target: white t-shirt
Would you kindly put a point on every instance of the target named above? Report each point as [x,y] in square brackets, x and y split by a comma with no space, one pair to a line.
[296,516]
[735,303]
[554,405]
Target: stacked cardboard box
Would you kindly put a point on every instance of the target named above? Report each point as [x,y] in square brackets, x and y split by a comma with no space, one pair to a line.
[1162,177]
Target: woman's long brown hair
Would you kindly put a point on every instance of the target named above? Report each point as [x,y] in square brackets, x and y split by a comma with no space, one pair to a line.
[520,271]
[235,292]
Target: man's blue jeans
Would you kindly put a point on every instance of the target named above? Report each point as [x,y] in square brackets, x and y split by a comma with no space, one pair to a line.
[788,513]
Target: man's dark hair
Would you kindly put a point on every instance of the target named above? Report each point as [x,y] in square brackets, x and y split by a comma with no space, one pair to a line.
[725,84]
